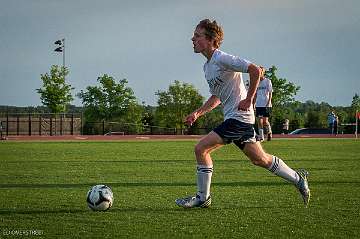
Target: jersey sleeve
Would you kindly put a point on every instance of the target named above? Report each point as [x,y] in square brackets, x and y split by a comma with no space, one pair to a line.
[233,63]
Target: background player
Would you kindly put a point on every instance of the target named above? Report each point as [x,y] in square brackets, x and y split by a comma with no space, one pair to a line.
[264,106]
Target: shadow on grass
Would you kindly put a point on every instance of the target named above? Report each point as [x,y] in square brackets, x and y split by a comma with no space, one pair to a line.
[85,210]
[22,211]
[174,209]
[139,184]
[165,184]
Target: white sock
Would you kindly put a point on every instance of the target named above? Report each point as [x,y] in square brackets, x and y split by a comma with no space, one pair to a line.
[204,174]
[279,168]
[261,133]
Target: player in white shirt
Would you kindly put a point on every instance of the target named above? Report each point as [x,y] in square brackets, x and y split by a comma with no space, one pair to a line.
[263,105]
[223,73]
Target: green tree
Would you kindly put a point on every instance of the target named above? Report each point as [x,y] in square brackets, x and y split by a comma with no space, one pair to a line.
[283,91]
[175,103]
[355,108]
[112,101]
[313,120]
[355,104]
[282,97]
[148,117]
[55,93]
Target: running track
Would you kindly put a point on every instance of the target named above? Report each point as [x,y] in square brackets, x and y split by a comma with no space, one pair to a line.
[148,137]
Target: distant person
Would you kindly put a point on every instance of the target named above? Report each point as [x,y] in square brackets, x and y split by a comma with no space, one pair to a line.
[335,127]
[331,119]
[223,73]
[286,126]
[263,106]
[1,131]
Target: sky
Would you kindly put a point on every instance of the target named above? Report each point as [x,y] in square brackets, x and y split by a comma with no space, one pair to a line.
[313,43]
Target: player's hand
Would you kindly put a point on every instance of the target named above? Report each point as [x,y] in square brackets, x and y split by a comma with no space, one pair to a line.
[190,119]
[245,105]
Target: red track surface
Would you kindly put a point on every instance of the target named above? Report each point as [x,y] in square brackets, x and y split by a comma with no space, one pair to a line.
[150,137]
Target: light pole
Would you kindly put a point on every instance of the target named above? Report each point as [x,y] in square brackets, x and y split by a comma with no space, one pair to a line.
[61,48]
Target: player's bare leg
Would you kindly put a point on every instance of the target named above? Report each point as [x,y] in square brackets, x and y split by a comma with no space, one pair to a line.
[261,128]
[267,128]
[204,172]
[205,146]
[259,157]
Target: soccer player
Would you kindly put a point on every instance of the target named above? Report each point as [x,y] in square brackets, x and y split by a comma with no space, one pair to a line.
[331,119]
[263,105]
[223,74]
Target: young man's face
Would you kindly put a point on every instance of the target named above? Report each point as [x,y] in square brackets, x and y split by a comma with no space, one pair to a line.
[262,74]
[200,42]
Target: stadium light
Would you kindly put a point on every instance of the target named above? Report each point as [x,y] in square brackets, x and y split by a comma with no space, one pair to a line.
[61,48]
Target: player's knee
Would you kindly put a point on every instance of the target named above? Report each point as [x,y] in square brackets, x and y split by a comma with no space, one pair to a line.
[260,161]
[199,150]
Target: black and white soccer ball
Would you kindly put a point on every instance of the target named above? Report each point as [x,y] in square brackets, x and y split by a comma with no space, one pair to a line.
[100,198]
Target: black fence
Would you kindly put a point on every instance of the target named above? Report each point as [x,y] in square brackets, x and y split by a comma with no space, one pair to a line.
[121,128]
[40,124]
[73,124]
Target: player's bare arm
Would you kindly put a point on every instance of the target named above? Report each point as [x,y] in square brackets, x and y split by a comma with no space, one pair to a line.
[209,105]
[270,96]
[254,74]
[254,100]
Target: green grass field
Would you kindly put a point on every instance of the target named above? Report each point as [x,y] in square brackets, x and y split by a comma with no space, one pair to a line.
[43,188]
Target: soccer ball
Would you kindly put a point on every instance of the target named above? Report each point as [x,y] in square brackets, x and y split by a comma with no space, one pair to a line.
[100,198]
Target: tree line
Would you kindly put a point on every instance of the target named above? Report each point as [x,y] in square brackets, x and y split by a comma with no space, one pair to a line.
[113,100]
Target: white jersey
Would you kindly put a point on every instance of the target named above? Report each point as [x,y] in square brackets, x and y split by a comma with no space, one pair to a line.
[263,93]
[223,74]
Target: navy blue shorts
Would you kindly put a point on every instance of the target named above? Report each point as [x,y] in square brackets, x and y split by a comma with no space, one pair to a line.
[232,130]
[263,111]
